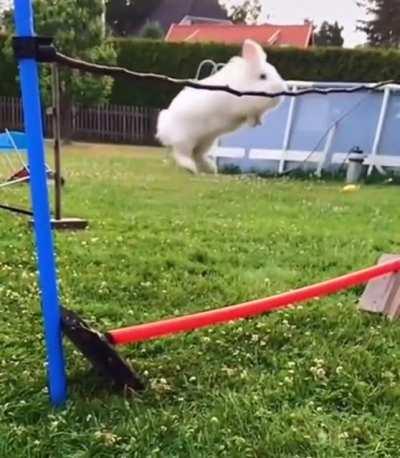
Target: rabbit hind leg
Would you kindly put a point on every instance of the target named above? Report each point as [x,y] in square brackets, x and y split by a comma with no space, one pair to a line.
[204,163]
[183,158]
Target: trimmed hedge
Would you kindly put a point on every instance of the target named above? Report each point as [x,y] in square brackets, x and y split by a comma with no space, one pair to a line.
[176,60]
[181,60]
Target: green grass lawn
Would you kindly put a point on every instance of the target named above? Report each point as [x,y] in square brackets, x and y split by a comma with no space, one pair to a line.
[318,381]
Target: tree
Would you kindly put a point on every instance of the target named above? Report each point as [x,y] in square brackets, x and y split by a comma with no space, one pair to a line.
[152,30]
[329,35]
[246,12]
[78,31]
[383,27]
[123,17]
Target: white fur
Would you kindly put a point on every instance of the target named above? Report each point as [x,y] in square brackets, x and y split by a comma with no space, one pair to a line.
[197,117]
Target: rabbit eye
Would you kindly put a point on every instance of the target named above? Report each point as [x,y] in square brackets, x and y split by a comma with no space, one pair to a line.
[263,76]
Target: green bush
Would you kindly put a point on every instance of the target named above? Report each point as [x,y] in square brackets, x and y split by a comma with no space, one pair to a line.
[8,73]
[182,59]
[152,31]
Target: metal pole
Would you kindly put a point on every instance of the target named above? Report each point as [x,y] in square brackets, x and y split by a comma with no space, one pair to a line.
[57,140]
[288,131]
[29,78]
[378,133]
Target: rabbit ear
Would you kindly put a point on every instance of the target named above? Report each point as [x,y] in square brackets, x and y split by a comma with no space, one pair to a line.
[253,53]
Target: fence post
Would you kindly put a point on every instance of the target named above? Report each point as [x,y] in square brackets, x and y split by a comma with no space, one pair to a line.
[117,123]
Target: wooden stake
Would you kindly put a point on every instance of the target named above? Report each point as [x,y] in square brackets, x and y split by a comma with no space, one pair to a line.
[59,222]
[57,139]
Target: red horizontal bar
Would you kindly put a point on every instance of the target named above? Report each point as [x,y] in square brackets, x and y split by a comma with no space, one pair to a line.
[156,329]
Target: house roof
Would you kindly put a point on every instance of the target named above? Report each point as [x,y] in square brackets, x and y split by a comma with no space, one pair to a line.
[267,34]
[173,11]
[188,20]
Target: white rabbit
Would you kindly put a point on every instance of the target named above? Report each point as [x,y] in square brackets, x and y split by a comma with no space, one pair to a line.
[197,117]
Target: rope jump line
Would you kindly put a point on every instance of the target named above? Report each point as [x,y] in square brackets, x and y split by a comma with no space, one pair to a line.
[122,72]
[42,49]
[19,211]
[115,71]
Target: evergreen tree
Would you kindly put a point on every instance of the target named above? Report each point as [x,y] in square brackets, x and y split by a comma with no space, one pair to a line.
[383,27]
[152,30]
[246,12]
[329,35]
[124,16]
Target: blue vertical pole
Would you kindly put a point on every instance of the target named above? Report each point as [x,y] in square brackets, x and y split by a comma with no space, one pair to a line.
[40,202]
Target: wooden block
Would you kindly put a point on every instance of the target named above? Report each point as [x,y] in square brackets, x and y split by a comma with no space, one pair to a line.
[392,309]
[73,224]
[382,295]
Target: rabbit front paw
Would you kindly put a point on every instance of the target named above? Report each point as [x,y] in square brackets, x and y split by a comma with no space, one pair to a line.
[254,121]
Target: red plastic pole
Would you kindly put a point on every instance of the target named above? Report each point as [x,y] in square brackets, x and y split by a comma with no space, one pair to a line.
[156,329]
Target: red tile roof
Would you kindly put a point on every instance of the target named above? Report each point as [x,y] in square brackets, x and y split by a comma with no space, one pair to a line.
[267,34]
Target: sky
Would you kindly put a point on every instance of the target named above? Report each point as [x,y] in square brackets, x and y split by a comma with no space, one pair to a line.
[4,4]
[346,12]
